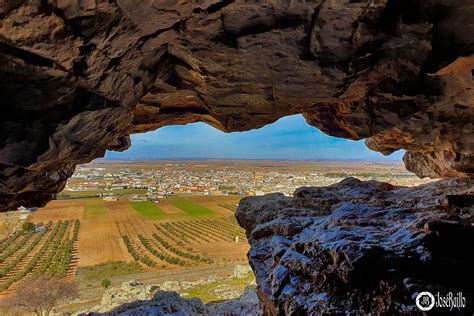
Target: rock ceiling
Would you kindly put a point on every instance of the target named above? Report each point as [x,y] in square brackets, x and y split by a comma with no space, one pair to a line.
[77,77]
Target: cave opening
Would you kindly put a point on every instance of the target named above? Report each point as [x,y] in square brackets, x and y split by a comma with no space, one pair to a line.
[78,77]
[161,215]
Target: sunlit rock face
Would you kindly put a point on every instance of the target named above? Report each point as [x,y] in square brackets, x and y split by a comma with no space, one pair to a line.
[361,247]
[78,76]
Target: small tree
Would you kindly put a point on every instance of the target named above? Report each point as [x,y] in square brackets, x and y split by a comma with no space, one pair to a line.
[28,226]
[40,295]
[105,283]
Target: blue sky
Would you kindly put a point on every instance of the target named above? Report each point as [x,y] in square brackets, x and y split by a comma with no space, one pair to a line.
[288,138]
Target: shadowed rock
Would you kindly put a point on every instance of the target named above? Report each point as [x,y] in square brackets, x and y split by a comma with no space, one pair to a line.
[135,299]
[78,76]
[359,247]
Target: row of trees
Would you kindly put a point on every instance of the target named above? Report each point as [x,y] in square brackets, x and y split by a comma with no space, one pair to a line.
[33,262]
[53,257]
[15,247]
[169,235]
[230,207]
[12,264]
[9,247]
[75,233]
[160,255]
[58,263]
[225,228]
[231,219]
[180,252]
[130,248]
[201,230]
[53,243]
[10,240]
[208,230]
[190,232]
[177,229]
[144,259]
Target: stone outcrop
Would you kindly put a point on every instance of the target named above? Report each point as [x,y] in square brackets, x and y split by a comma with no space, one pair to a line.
[246,304]
[162,304]
[129,291]
[361,247]
[77,77]
[135,298]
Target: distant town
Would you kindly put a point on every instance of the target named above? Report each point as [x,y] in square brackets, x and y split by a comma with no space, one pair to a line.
[153,180]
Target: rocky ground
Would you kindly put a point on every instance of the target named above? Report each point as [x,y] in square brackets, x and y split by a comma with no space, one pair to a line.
[136,298]
[171,303]
[8,222]
[360,247]
[162,303]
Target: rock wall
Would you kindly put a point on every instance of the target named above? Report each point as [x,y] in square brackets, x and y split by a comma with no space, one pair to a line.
[361,247]
[78,76]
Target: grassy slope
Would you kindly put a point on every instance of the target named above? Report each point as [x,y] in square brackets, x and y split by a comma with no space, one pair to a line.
[110,269]
[191,208]
[148,210]
[206,292]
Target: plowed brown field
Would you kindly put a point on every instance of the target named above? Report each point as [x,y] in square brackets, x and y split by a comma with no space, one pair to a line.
[59,210]
[99,239]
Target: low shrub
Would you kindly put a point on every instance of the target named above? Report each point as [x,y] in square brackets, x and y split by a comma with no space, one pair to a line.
[105,283]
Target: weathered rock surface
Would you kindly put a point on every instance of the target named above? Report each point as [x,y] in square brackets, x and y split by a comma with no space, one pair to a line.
[134,298]
[361,247]
[78,76]
[241,271]
[162,304]
[246,304]
[128,292]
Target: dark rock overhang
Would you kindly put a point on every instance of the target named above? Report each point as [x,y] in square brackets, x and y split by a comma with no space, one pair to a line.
[77,77]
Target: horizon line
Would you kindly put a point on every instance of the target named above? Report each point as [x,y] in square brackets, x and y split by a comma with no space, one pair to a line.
[249,159]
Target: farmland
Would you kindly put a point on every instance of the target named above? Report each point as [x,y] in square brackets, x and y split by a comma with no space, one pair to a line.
[149,210]
[180,232]
[27,253]
[191,208]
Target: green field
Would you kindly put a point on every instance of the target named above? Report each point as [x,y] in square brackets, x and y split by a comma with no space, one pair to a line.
[191,208]
[94,208]
[148,210]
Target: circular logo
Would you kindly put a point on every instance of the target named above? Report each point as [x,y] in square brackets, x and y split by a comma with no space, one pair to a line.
[425,301]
